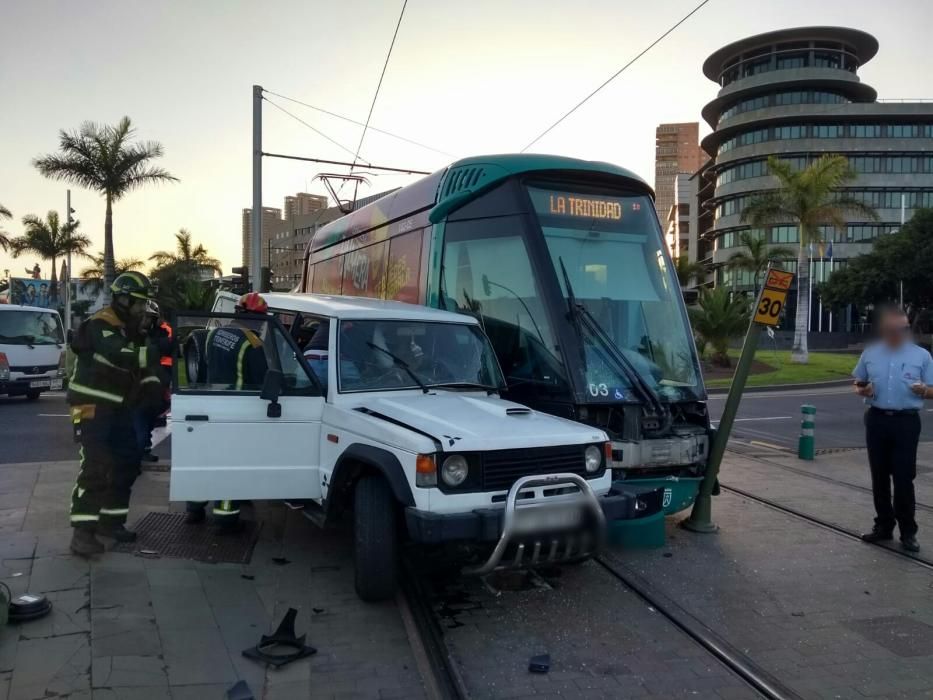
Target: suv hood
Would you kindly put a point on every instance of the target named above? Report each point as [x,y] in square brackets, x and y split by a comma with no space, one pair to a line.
[473,422]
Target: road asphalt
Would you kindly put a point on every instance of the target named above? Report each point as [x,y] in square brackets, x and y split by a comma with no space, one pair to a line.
[39,431]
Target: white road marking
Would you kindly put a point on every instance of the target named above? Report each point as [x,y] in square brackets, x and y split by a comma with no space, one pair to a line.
[847,389]
[53,415]
[767,444]
[763,418]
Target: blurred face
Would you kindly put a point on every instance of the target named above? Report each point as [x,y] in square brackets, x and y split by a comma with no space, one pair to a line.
[894,328]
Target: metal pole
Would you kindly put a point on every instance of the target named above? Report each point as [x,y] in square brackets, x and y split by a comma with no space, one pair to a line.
[700,519]
[255,267]
[819,322]
[903,216]
[809,287]
[68,265]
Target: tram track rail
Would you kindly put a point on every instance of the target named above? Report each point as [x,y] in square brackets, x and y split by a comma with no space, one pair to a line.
[439,672]
[741,665]
[819,477]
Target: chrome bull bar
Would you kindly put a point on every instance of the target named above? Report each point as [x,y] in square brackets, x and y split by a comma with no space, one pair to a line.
[575,545]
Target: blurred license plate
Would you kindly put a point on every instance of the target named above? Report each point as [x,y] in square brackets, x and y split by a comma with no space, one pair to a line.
[549,518]
[56,385]
[39,384]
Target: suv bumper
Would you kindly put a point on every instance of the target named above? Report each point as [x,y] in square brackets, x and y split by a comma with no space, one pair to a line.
[485,524]
[23,384]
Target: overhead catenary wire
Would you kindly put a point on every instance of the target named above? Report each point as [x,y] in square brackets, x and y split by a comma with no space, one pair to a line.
[382,75]
[614,76]
[316,130]
[359,123]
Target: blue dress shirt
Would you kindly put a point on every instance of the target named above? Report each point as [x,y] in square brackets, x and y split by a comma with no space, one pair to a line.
[892,372]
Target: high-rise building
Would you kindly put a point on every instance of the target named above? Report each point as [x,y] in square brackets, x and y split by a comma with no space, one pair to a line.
[303,203]
[677,150]
[271,223]
[291,238]
[677,224]
[796,94]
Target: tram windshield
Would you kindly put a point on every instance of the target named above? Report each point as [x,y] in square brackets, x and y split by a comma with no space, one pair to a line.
[609,249]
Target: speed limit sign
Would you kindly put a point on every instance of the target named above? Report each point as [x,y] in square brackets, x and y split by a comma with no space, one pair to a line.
[771,300]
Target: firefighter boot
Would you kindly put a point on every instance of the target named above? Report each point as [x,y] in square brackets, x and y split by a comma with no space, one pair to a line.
[117,532]
[84,544]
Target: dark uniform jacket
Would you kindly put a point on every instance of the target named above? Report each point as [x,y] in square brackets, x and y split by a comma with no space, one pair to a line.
[111,367]
[235,358]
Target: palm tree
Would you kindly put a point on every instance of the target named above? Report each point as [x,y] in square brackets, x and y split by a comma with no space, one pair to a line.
[49,240]
[809,198]
[757,255]
[187,258]
[93,275]
[687,271]
[4,240]
[718,317]
[104,158]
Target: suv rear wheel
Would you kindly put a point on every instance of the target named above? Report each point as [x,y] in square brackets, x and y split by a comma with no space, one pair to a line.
[376,541]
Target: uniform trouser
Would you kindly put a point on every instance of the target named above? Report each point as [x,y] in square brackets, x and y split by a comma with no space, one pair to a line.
[892,455]
[109,464]
[225,513]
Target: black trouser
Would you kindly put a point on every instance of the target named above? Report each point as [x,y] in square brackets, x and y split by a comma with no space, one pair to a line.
[109,464]
[891,438]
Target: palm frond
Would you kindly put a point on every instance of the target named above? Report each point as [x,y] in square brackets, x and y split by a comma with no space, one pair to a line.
[5,213]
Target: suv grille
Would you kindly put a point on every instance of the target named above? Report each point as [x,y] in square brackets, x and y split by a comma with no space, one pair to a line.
[502,468]
[34,369]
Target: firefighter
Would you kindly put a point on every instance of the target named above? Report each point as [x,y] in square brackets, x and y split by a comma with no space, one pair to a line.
[145,416]
[235,359]
[113,376]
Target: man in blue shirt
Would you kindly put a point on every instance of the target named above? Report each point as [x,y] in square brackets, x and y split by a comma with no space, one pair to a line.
[894,376]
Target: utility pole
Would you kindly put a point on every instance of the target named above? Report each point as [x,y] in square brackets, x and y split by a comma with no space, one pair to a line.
[68,220]
[255,268]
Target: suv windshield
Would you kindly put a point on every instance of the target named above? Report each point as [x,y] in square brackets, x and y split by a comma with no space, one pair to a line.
[385,355]
[611,249]
[30,328]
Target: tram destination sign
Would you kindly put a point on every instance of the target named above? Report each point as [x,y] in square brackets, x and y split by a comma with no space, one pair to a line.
[772,298]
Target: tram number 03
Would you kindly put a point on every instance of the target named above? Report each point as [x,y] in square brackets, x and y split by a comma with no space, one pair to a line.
[598,390]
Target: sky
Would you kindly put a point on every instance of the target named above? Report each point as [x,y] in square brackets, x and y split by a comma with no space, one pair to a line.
[465,78]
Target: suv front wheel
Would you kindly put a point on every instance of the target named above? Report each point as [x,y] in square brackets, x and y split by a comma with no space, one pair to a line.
[376,541]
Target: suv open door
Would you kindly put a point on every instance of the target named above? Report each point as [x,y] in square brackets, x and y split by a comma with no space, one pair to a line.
[246,412]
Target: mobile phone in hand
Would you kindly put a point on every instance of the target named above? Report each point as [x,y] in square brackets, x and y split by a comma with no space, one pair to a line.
[861,384]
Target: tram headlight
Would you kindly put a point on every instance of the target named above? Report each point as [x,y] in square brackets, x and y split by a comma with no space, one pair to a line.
[455,470]
[594,459]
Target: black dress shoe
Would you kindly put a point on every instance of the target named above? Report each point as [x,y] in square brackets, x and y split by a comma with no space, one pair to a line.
[877,535]
[910,544]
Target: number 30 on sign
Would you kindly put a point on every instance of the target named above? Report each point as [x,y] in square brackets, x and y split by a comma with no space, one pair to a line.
[770,305]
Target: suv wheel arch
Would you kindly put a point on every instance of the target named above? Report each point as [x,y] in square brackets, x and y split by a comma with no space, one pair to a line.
[357,460]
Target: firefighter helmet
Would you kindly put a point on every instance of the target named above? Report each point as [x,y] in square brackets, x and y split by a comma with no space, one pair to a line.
[134,284]
[252,303]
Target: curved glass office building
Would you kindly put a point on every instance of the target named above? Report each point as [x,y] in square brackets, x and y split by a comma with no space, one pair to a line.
[796,94]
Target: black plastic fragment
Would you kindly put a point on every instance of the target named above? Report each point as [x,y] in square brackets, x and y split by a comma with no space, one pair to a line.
[540,663]
[29,606]
[240,691]
[281,561]
[283,636]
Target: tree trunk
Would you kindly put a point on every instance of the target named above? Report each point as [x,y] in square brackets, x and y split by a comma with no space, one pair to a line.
[110,272]
[799,351]
[53,285]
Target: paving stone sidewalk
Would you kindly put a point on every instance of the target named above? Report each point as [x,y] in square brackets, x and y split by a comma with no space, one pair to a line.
[830,616]
[130,628]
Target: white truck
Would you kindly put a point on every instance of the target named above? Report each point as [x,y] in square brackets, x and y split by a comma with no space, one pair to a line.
[389,412]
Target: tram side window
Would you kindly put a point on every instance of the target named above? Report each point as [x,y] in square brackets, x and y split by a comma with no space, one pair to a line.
[404,271]
[487,271]
[364,271]
[328,276]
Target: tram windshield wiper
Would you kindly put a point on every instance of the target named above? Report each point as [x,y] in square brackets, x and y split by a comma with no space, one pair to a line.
[581,316]
[400,363]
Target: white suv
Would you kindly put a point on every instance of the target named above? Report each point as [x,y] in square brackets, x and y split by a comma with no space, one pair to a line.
[406,431]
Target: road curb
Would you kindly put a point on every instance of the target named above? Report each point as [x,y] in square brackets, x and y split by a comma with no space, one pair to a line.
[722,390]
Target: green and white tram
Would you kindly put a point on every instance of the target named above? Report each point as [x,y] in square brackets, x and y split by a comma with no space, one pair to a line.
[563,262]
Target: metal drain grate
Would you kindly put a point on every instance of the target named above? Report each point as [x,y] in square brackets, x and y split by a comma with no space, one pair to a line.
[167,535]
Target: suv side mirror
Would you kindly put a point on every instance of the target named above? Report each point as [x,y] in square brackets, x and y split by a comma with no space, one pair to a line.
[271,391]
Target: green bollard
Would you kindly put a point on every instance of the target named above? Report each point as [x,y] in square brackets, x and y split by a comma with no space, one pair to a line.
[806,448]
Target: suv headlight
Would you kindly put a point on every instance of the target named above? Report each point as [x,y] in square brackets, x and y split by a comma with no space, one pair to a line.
[455,470]
[593,458]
